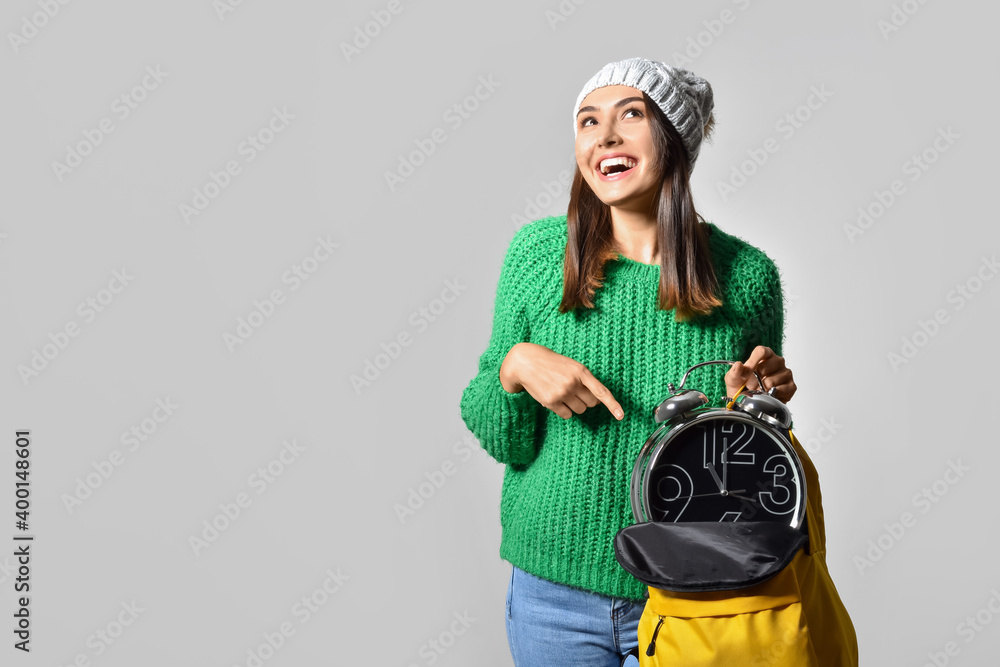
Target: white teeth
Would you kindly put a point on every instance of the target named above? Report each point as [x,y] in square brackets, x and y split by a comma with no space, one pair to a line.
[606,164]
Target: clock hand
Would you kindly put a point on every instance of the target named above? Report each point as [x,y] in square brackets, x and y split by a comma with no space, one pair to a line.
[737,495]
[720,493]
[725,465]
[715,475]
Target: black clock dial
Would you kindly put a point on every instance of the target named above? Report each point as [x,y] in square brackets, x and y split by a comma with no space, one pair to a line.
[722,468]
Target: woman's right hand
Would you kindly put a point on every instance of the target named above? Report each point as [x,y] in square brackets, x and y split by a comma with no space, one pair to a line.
[561,384]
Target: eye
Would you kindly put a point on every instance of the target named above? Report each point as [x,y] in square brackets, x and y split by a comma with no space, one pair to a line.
[583,121]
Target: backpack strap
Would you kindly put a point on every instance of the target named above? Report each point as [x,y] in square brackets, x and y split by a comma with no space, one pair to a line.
[814,502]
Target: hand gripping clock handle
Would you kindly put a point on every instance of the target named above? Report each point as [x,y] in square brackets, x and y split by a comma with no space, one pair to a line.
[760,382]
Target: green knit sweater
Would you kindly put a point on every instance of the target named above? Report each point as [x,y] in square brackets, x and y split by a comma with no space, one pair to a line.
[566,482]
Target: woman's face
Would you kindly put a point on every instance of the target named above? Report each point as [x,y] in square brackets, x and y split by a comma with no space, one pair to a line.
[613,122]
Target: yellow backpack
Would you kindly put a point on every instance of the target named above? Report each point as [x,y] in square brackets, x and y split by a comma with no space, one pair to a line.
[794,617]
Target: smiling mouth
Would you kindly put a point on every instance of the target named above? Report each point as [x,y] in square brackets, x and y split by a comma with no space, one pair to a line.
[613,168]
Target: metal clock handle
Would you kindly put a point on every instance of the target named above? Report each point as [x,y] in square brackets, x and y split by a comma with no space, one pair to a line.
[705,363]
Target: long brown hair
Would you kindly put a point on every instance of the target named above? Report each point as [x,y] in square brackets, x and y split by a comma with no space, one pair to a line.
[687,277]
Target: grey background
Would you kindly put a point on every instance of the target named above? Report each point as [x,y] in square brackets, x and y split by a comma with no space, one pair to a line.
[403,583]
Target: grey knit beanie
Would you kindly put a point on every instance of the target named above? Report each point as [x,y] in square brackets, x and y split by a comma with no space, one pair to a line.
[685,98]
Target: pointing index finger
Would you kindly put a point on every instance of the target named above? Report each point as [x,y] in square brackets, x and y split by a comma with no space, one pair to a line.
[602,394]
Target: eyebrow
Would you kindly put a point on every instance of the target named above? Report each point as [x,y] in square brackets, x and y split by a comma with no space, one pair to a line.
[619,103]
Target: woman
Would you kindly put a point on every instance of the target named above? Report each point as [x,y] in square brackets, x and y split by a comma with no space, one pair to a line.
[602,308]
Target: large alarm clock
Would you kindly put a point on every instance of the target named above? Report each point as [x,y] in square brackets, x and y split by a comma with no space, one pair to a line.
[718,493]
[707,463]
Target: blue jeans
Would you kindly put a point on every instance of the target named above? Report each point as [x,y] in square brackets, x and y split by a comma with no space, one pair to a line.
[549,624]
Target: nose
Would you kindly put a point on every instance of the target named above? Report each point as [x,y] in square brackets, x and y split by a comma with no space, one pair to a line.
[609,135]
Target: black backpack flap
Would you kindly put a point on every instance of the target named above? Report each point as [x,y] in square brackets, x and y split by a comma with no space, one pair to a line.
[707,555]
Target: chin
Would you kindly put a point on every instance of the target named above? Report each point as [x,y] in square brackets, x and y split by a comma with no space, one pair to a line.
[621,200]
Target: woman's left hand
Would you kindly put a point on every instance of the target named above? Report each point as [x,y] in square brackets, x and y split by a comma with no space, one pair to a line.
[771,369]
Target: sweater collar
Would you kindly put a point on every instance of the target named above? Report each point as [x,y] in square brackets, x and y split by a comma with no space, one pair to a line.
[631,269]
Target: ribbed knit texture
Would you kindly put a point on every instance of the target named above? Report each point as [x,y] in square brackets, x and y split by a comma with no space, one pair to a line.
[566,483]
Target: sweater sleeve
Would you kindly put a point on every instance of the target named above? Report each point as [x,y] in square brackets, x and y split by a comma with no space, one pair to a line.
[770,328]
[763,307]
[504,423]
[771,318]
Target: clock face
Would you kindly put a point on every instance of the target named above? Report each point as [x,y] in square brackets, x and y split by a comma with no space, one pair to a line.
[722,466]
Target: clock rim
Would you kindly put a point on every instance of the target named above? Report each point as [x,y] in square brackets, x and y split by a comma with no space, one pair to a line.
[659,440]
